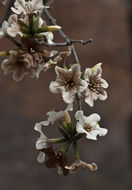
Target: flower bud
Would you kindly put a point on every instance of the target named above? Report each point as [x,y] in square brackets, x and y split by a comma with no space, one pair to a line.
[54,28]
[99,64]
[67,118]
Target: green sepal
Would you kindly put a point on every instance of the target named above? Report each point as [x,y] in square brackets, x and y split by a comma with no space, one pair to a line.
[35,23]
[27,36]
[18,44]
[70,129]
[21,23]
[43,29]
[37,36]
[64,125]
[82,75]
[66,146]
[31,23]
[25,30]
[62,131]
[58,140]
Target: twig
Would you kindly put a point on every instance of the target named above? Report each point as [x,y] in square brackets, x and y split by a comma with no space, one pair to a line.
[78,98]
[64,44]
[74,54]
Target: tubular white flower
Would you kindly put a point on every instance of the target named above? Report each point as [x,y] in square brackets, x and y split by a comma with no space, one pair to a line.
[41,143]
[14,27]
[3,30]
[89,125]
[49,36]
[56,116]
[68,82]
[96,85]
[21,6]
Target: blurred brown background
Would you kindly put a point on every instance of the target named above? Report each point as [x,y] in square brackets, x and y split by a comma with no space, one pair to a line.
[24,103]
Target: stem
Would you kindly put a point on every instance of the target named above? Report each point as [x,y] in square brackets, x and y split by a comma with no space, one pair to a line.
[79,136]
[78,98]
[58,140]
[14,41]
[65,147]
[74,54]
[75,150]
[63,132]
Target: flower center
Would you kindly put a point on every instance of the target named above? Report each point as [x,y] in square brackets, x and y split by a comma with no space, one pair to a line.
[69,83]
[31,50]
[88,128]
[95,87]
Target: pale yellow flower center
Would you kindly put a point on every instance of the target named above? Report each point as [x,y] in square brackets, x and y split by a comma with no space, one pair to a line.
[87,127]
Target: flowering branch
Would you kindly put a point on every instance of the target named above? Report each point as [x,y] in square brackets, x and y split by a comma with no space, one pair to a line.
[29,32]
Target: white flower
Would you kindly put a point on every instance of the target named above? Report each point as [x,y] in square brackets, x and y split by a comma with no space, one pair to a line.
[14,27]
[42,143]
[96,85]
[56,116]
[60,58]
[89,125]
[3,30]
[29,7]
[68,82]
[49,36]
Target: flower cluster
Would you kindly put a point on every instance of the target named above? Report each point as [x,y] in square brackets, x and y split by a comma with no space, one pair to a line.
[69,82]
[28,31]
[25,28]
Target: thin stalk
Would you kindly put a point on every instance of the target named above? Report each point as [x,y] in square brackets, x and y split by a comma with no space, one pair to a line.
[78,98]
[75,150]
[14,41]
[79,136]
[66,146]
[58,140]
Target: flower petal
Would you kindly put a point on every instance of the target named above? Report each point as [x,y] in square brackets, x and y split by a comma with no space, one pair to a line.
[104,84]
[55,87]
[42,141]
[80,117]
[94,118]
[68,97]
[41,157]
